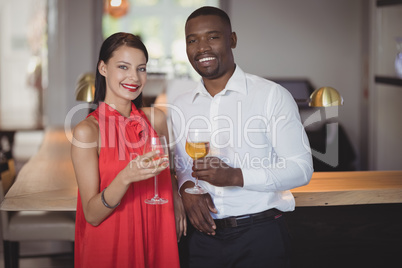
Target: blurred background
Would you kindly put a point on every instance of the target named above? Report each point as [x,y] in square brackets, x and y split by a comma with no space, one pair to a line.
[354,46]
[351,45]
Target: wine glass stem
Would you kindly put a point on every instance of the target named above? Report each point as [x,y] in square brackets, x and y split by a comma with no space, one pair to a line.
[156,187]
[196,183]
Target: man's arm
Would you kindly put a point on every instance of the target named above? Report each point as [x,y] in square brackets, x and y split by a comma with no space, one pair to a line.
[292,164]
[198,207]
[217,172]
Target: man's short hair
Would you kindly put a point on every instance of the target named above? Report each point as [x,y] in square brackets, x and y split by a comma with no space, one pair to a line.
[209,10]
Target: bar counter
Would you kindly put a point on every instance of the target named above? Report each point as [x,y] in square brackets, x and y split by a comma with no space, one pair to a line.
[350,188]
[47,182]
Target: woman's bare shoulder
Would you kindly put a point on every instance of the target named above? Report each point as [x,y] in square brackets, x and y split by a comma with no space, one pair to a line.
[87,130]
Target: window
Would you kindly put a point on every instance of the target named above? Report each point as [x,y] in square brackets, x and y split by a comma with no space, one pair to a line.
[160,24]
[23,61]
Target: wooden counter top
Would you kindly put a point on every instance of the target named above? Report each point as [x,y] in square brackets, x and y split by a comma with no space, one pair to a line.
[350,188]
[47,182]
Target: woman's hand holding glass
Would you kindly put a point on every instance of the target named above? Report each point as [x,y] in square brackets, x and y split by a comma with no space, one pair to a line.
[144,167]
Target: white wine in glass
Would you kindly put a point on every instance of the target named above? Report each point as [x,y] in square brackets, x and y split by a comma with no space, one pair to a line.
[152,144]
[197,146]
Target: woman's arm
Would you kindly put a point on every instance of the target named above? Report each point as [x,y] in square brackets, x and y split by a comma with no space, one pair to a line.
[84,153]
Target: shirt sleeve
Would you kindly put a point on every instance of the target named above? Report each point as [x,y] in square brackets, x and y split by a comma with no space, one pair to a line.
[182,162]
[291,162]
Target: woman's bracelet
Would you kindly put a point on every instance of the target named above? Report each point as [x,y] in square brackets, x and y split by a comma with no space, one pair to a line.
[104,201]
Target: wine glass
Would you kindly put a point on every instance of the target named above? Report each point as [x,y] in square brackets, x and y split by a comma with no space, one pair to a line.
[154,143]
[197,146]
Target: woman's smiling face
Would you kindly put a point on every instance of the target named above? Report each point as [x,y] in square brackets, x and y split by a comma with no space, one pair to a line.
[125,73]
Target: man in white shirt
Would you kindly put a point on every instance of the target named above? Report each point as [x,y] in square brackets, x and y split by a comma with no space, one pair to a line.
[259,151]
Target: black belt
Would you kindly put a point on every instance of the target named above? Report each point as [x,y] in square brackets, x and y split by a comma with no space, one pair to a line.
[244,220]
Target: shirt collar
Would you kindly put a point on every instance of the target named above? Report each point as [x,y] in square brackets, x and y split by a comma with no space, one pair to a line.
[236,83]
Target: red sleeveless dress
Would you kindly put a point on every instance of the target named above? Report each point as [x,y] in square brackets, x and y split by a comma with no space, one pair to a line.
[135,234]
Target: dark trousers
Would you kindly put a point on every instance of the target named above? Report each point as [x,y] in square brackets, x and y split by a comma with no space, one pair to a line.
[263,244]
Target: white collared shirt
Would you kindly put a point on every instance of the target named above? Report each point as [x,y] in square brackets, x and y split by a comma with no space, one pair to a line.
[255,125]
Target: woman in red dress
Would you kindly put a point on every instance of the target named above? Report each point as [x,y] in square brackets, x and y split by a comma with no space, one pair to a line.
[114,226]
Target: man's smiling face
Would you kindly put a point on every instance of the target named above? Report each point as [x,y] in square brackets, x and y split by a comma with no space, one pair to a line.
[209,43]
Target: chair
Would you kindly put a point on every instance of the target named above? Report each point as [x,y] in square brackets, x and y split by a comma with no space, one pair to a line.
[19,226]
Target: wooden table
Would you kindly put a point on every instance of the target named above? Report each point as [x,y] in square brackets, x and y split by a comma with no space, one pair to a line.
[47,182]
[350,188]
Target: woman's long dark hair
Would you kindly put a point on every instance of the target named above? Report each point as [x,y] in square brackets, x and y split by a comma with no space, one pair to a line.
[110,45]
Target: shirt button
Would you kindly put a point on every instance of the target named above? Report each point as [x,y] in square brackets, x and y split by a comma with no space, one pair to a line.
[219,192]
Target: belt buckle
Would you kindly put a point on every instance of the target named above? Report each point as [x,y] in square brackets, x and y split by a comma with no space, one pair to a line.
[231,222]
[246,217]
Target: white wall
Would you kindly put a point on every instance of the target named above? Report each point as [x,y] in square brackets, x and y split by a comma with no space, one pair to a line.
[73,47]
[320,40]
